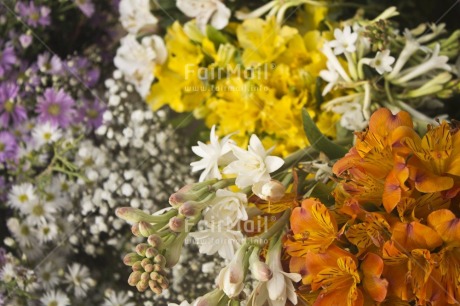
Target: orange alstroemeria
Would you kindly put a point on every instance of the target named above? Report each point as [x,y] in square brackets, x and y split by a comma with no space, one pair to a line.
[414,235]
[313,227]
[445,223]
[343,280]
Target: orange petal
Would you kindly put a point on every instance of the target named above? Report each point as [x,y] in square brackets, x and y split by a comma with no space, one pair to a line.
[384,120]
[414,235]
[427,182]
[372,268]
[447,225]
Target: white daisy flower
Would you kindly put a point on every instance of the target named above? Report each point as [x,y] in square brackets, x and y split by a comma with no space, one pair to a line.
[382,62]
[55,298]
[46,133]
[206,11]
[22,232]
[117,299]
[216,153]
[47,232]
[48,275]
[78,278]
[8,273]
[254,165]
[40,213]
[22,196]
[345,41]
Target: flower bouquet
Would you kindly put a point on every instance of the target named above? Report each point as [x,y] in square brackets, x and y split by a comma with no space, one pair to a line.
[330,173]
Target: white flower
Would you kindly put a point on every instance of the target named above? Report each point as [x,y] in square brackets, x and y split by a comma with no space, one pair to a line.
[40,213]
[48,275]
[204,11]
[46,133]
[231,278]
[22,232]
[435,62]
[79,279]
[117,299]
[279,288]
[382,62]
[22,196]
[333,64]
[345,41]
[55,298]
[330,76]
[216,153]
[352,116]
[8,273]
[47,232]
[184,303]
[215,240]
[254,165]
[135,15]
[227,209]
[269,191]
[137,60]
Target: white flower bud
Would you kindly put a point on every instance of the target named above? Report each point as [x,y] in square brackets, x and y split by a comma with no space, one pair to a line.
[269,191]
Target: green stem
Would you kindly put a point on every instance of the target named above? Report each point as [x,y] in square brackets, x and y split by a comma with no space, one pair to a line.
[272,231]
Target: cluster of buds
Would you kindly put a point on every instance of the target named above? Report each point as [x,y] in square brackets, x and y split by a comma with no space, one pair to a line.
[148,266]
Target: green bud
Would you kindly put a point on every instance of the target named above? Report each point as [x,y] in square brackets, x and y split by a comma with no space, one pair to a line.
[131,214]
[160,259]
[131,258]
[155,276]
[141,248]
[151,252]
[154,287]
[146,229]
[155,241]
[145,262]
[177,224]
[142,286]
[135,230]
[134,278]
[145,276]
[149,268]
[158,268]
[164,283]
[137,266]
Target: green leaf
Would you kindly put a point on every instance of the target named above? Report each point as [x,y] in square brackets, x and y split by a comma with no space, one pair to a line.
[216,36]
[318,140]
[322,192]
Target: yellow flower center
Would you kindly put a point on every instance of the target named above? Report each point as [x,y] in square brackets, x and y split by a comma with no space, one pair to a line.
[54,109]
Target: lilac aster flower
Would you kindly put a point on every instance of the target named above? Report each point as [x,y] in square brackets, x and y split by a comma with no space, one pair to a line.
[92,113]
[10,110]
[7,59]
[25,40]
[86,6]
[8,146]
[55,107]
[34,15]
[48,64]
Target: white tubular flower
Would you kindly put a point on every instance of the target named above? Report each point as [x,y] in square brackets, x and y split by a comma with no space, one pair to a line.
[216,153]
[272,6]
[269,191]
[435,62]
[135,15]
[137,61]
[279,288]
[330,76]
[345,41]
[46,133]
[254,165]
[409,49]
[227,208]
[382,62]
[333,63]
[184,303]
[231,278]
[206,11]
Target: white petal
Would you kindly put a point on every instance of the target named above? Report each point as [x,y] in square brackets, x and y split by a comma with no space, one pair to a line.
[273,163]
[221,16]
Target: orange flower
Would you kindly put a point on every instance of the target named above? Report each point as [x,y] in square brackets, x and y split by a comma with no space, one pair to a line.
[313,227]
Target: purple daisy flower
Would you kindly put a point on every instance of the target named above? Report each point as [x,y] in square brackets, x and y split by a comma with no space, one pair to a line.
[10,110]
[8,146]
[55,107]
[92,113]
[7,59]
[49,64]
[34,15]
[86,6]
